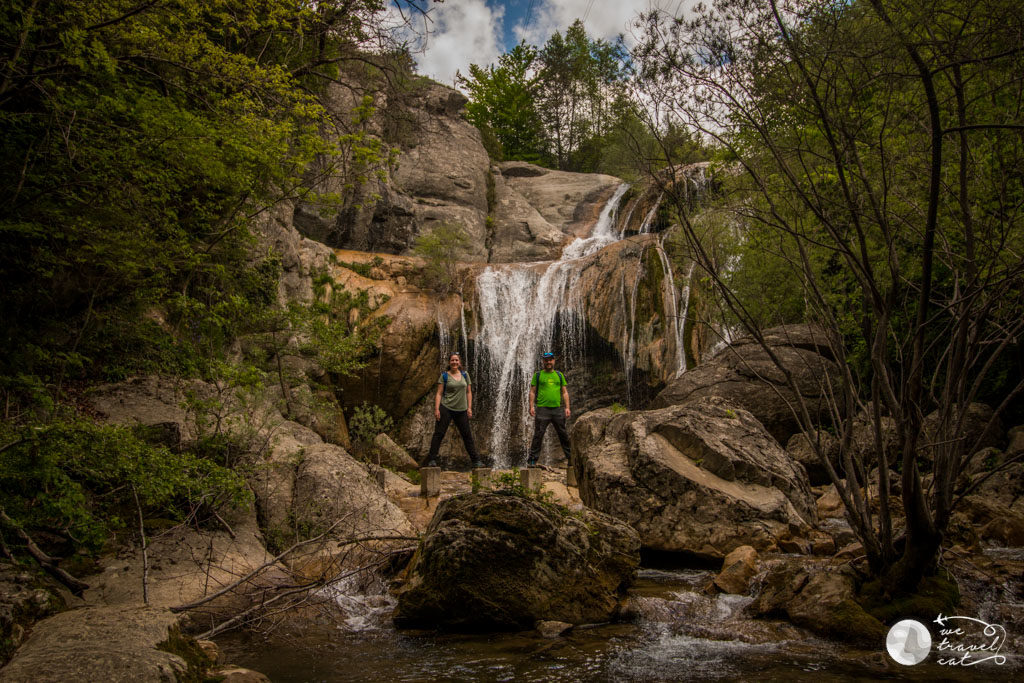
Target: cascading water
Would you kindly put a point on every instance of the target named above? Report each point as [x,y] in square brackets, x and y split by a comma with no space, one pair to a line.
[522,307]
[444,339]
[603,233]
[645,227]
[681,330]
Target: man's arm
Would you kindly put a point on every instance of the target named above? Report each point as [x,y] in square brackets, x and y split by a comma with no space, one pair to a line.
[533,399]
[565,399]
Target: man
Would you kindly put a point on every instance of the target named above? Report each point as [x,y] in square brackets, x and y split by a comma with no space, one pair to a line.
[548,393]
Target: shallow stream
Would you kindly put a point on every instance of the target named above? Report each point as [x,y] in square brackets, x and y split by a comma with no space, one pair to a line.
[672,632]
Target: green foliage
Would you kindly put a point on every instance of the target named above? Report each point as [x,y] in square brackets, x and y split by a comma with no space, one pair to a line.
[79,479]
[362,269]
[441,248]
[577,75]
[367,421]
[510,483]
[618,408]
[566,104]
[875,190]
[503,106]
[140,143]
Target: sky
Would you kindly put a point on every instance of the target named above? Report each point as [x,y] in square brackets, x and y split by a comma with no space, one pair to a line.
[464,32]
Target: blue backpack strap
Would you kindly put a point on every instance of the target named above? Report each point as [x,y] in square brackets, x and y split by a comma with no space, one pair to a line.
[444,377]
[562,378]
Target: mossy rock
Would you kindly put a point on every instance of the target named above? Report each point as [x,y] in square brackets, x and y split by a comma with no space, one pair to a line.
[850,623]
[188,649]
[934,595]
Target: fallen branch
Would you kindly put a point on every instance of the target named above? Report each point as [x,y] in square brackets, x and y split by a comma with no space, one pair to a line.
[271,562]
[47,562]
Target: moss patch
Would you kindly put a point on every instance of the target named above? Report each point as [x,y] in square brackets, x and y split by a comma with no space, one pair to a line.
[188,649]
[935,595]
[850,623]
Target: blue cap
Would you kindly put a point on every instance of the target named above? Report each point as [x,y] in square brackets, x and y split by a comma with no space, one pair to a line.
[547,355]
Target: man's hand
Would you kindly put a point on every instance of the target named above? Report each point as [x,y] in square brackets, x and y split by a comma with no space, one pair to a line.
[567,411]
[533,412]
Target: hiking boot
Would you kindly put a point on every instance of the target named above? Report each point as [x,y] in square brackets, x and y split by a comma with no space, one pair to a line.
[478,464]
[431,463]
[532,462]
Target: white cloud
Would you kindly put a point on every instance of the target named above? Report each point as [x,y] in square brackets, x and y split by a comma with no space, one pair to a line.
[602,18]
[460,33]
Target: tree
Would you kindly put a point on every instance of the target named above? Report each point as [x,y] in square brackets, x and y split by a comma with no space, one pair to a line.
[140,141]
[879,148]
[503,105]
[441,249]
[577,82]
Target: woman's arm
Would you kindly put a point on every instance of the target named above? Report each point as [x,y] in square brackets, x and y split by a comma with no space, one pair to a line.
[469,400]
[437,402]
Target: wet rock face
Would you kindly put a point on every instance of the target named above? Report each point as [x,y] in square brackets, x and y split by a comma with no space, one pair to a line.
[704,478]
[498,561]
[745,374]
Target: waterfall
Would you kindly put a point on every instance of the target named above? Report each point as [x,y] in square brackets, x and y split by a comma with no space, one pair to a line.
[645,227]
[603,233]
[521,307]
[462,324]
[444,339]
[671,312]
[629,332]
[681,332]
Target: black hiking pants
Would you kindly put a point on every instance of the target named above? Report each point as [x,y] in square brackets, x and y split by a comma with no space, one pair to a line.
[461,420]
[544,417]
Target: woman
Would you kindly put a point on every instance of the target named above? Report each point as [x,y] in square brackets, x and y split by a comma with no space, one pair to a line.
[453,402]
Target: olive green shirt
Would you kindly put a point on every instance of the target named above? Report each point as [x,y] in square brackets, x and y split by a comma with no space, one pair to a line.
[453,396]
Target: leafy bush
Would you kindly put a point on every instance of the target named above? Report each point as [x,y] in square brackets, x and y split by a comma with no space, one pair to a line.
[78,480]
[441,248]
[369,420]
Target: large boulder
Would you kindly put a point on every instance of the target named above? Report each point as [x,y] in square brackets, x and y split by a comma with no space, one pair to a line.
[331,486]
[110,644]
[703,479]
[745,374]
[980,429]
[499,561]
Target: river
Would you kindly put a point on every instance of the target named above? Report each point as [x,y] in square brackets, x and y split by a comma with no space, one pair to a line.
[672,632]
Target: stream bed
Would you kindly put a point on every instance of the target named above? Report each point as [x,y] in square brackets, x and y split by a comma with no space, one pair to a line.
[671,632]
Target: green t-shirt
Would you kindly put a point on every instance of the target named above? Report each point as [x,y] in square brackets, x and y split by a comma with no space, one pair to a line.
[453,396]
[549,388]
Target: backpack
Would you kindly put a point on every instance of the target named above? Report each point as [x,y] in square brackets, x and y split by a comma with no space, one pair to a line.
[444,376]
[536,379]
